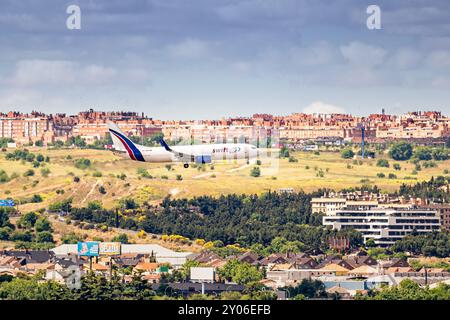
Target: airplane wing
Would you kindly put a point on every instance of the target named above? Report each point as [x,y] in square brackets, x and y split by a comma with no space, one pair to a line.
[179,155]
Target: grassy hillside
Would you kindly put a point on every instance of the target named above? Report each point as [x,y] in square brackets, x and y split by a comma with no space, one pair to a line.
[310,173]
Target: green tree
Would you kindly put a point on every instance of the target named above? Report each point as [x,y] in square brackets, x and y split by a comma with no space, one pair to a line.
[440,154]
[44,236]
[401,151]
[240,272]
[309,289]
[42,224]
[423,153]
[28,220]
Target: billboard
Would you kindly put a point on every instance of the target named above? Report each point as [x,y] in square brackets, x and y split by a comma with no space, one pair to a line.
[7,203]
[88,249]
[202,274]
[109,248]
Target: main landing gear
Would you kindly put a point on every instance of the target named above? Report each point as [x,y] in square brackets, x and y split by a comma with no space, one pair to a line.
[186,165]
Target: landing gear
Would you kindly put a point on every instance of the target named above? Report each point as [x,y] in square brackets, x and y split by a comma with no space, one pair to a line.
[186,165]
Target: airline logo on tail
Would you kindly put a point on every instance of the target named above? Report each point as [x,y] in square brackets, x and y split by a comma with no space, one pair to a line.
[133,151]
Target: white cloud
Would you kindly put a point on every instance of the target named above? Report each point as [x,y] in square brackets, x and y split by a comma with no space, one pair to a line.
[405,58]
[190,49]
[242,66]
[320,53]
[358,53]
[322,107]
[36,73]
[439,59]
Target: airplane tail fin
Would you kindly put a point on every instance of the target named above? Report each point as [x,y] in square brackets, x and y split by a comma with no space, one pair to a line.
[114,131]
[165,145]
[123,143]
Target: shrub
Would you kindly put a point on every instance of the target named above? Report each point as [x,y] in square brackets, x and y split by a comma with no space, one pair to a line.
[392,176]
[122,238]
[429,164]
[28,173]
[383,163]
[397,166]
[255,172]
[82,163]
[97,174]
[102,190]
[45,172]
[381,175]
[347,154]
[36,198]
[4,177]
[179,177]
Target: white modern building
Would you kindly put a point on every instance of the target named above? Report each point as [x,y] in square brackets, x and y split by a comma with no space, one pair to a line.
[162,255]
[383,224]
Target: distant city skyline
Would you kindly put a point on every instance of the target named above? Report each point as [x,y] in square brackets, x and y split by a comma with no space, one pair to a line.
[139,113]
[208,59]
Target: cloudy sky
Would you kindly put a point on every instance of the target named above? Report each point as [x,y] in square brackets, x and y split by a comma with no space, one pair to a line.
[198,59]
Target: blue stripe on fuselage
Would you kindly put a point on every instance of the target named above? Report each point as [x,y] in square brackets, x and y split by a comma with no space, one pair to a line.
[134,149]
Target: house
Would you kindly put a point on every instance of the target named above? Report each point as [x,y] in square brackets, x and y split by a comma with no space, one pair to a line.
[281,267]
[205,257]
[357,261]
[30,256]
[393,270]
[363,270]
[35,267]
[152,278]
[249,257]
[269,283]
[54,275]
[11,262]
[336,261]
[217,263]
[97,268]
[275,258]
[340,292]
[146,267]
[129,260]
[337,269]
[304,263]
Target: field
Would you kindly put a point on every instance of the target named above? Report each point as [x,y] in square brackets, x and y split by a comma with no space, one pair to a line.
[223,178]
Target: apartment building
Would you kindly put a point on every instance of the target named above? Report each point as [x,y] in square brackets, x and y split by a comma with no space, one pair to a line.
[444,214]
[24,129]
[327,206]
[385,224]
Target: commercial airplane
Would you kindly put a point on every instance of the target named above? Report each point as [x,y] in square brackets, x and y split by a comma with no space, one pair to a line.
[200,154]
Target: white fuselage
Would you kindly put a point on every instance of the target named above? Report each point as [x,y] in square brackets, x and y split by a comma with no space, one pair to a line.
[216,152]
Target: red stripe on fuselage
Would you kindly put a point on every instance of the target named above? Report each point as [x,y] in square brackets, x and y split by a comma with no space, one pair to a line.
[130,153]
